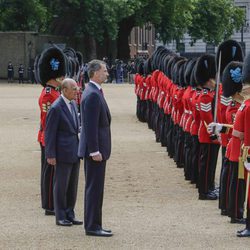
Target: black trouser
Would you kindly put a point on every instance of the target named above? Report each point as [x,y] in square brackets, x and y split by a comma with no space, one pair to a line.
[138,108]
[149,113]
[236,192]
[143,110]
[94,190]
[158,121]
[42,166]
[179,146]
[195,156]
[47,179]
[224,184]
[170,133]
[65,189]
[162,129]
[187,155]
[208,161]
[166,129]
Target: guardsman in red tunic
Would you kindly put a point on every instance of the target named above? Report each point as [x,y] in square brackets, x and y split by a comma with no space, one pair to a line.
[187,119]
[209,147]
[241,130]
[51,67]
[232,188]
[179,133]
[194,127]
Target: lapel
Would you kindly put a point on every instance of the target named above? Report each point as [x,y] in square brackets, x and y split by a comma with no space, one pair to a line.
[68,114]
[102,100]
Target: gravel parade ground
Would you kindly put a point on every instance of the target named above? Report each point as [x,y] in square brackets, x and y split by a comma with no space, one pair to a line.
[147,202]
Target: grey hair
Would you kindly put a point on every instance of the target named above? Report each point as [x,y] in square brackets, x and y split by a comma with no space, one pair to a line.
[66,83]
[94,66]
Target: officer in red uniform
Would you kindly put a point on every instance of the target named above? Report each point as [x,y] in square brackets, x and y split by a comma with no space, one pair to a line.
[232,188]
[209,147]
[242,131]
[51,70]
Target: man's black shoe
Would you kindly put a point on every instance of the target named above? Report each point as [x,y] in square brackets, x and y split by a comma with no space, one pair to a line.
[65,223]
[106,230]
[49,212]
[238,221]
[244,233]
[75,221]
[223,212]
[99,233]
[208,196]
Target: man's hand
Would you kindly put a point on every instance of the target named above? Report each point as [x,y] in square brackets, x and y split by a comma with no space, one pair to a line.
[97,157]
[214,128]
[51,161]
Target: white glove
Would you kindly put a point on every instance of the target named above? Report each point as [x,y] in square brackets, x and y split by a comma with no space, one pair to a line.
[214,128]
[247,166]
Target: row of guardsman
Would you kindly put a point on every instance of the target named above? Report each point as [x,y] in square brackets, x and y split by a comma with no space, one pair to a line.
[195,106]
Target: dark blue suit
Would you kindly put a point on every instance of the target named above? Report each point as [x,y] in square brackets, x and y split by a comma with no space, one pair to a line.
[61,138]
[95,136]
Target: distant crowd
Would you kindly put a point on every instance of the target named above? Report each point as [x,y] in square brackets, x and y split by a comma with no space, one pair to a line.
[119,72]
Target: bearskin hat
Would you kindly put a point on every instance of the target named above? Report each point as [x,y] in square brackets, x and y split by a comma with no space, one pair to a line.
[36,71]
[232,78]
[193,82]
[188,70]
[166,60]
[176,71]
[182,73]
[51,65]
[246,70]
[79,57]
[230,50]
[205,69]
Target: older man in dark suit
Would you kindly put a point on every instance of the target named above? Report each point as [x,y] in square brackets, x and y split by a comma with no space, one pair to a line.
[95,147]
[61,137]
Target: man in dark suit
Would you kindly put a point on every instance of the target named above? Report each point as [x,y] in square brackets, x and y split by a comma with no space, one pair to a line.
[95,147]
[61,138]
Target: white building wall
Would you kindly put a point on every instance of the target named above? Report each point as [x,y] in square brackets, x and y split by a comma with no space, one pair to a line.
[200,46]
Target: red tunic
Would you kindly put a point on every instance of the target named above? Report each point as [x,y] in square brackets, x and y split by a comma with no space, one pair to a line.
[195,113]
[206,113]
[230,118]
[241,125]
[47,97]
[224,104]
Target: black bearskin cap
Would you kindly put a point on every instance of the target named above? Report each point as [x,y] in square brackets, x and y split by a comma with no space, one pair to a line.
[79,57]
[193,82]
[182,73]
[232,78]
[36,71]
[205,69]
[230,51]
[176,71]
[51,65]
[188,70]
[246,70]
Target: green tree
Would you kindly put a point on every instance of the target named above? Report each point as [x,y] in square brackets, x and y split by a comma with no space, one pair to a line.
[215,20]
[22,15]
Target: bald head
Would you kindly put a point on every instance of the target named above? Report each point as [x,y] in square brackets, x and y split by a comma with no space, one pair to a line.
[69,88]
